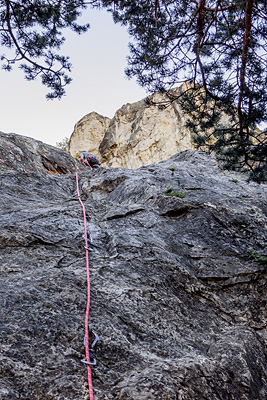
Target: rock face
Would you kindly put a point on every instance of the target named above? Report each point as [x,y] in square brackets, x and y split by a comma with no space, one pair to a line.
[138,135]
[88,134]
[177,301]
[24,154]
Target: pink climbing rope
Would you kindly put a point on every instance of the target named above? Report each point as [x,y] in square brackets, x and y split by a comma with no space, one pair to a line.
[90,385]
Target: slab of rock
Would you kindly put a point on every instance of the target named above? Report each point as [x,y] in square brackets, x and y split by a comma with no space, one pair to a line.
[24,154]
[178,302]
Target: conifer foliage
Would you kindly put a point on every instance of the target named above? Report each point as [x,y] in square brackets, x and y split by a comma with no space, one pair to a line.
[216,45]
[219,47]
[31,36]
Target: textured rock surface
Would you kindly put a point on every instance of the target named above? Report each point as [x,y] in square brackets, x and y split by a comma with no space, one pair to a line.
[22,153]
[178,303]
[140,135]
[88,134]
[137,135]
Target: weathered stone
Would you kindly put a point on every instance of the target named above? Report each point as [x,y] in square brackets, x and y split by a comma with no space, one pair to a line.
[140,135]
[137,135]
[88,134]
[22,153]
[178,303]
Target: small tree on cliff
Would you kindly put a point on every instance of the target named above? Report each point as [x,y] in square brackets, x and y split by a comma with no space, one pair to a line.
[64,144]
[216,45]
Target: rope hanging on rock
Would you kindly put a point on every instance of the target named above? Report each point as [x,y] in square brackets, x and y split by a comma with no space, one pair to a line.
[87,352]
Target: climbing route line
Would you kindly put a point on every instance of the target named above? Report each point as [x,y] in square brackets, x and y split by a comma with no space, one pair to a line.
[87,360]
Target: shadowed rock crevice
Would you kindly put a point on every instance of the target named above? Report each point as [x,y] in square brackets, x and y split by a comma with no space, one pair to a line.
[177,300]
[52,167]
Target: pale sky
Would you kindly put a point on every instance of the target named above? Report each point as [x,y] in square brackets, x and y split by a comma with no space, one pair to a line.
[99,84]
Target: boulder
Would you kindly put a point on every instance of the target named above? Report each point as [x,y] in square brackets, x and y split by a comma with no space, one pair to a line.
[178,278]
[88,134]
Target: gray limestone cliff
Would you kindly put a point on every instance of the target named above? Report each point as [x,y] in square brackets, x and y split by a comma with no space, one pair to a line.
[24,154]
[178,301]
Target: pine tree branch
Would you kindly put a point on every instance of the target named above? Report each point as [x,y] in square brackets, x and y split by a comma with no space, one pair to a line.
[18,47]
[246,43]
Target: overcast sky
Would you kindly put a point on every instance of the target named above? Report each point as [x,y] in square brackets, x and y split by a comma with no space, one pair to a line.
[99,84]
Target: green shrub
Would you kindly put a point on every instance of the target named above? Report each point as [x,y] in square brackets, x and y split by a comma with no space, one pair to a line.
[63,144]
[182,195]
[169,192]
[169,189]
[257,257]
